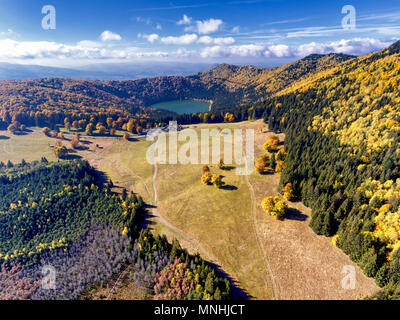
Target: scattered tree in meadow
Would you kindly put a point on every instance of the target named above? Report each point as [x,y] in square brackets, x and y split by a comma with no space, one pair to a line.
[130,126]
[75,125]
[288,192]
[126,136]
[279,166]
[205,168]
[82,123]
[60,151]
[112,132]
[262,163]
[89,129]
[75,141]
[102,130]
[216,180]
[206,178]
[272,144]
[260,166]
[46,131]
[274,206]
[139,129]
[221,164]
[12,129]
[109,122]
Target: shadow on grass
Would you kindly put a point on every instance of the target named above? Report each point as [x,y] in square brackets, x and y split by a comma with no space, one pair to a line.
[237,292]
[266,173]
[294,214]
[85,142]
[228,187]
[101,177]
[4,138]
[72,157]
[82,148]
[228,168]
[148,221]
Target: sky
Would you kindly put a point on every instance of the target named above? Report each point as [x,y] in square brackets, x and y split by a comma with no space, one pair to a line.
[260,32]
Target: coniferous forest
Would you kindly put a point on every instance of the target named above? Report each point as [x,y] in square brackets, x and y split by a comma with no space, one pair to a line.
[59,215]
[342,138]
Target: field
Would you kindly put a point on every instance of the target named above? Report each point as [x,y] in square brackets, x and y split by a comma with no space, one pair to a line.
[266,258]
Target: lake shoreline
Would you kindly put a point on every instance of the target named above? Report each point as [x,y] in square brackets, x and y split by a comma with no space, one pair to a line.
[185,106]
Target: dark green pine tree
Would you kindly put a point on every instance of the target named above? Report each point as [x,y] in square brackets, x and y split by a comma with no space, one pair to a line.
[273,162]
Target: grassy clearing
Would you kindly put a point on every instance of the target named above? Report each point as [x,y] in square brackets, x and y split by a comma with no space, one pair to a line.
[218,219]
[304,265]
[218,223]
[125,163]
[32,146]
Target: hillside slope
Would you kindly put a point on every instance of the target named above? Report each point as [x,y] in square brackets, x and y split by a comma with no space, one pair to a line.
[343,133]
[52,99]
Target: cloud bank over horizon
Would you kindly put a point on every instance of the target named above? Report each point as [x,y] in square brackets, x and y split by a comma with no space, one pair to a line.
[216,50]
[189,33]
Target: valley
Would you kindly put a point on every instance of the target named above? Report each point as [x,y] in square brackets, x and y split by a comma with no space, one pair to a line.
[266,258]
[324,197]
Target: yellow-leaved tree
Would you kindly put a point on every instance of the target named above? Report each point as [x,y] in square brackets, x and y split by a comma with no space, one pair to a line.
[274,206]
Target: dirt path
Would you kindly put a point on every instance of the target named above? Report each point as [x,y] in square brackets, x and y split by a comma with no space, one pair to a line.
[305,265]
[259,243]
[206,254]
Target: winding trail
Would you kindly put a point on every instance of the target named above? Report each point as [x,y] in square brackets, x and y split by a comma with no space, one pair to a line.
[176,230]
[264,258]
[119,280]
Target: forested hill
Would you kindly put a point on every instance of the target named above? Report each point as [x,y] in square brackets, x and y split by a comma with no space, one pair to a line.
[255,82]
[343,142]
[50,100]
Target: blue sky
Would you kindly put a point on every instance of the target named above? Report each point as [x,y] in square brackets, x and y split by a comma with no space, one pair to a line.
[263,32]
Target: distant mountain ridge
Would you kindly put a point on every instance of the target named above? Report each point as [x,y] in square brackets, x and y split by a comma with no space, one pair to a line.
[105,71]
[226,85]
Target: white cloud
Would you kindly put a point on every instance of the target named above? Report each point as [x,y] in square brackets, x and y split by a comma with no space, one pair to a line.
[110,36]
[188,39]
[8,33]
[89,44]
[185,20]
[280,50]
[201,27]
[150,37]
[218,49]
[181,40]
[235,29]
[250,50]
[356,46]
[217,41]
[208,26]
[143,20]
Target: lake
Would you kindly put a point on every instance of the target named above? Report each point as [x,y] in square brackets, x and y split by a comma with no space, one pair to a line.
[183,106]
